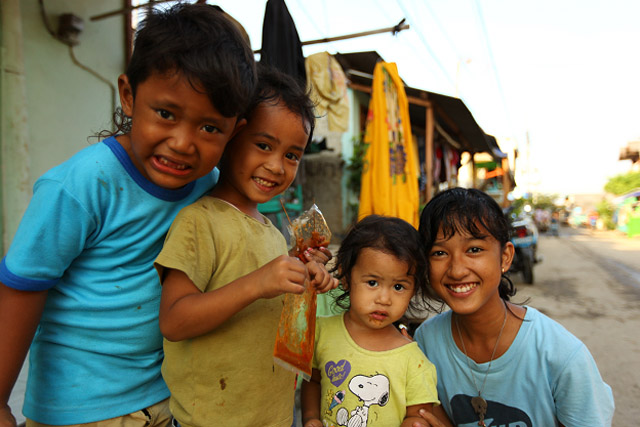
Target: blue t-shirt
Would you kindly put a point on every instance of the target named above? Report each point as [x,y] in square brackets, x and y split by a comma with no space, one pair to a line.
[90,235]
[547,375]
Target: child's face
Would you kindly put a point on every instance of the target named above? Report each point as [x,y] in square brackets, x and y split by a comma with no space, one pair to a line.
[177,135]
[465,271]
[263,158]
[380,289]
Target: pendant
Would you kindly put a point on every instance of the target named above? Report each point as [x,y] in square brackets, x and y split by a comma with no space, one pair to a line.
[480,408]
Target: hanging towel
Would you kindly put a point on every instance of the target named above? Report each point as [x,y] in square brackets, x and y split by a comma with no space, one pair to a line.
[281,46]
[389,175]
[329,89]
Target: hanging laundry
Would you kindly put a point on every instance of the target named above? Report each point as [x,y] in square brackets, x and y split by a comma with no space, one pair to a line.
[329,89]
[451,163]
[281,46]
[437,165]
[422,166]
[389,175]
[454,164]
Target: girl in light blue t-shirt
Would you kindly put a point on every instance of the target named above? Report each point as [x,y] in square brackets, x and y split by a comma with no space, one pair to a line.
[498,363]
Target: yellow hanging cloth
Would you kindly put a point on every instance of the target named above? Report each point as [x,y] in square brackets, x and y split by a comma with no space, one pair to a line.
[389,174]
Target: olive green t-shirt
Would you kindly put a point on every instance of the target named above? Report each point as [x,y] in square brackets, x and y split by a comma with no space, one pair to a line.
[226,377]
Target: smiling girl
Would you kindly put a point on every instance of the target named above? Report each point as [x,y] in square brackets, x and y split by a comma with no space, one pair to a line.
[498,363]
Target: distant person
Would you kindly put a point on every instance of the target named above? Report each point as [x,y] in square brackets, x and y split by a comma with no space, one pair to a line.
[365,372]
[498,363]
[555,224]
[78,278]
[225,269]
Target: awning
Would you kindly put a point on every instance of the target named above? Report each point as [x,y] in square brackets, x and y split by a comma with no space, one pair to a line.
[495,149]
[452,116]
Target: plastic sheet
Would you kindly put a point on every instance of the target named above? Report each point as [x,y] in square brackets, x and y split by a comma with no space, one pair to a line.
[296,331]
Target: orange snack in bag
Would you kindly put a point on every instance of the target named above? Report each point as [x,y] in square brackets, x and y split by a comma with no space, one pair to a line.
[296,331]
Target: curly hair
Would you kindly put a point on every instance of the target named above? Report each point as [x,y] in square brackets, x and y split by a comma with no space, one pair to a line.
[392,236]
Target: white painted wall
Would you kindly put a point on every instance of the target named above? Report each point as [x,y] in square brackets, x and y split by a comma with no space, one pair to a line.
[65,104]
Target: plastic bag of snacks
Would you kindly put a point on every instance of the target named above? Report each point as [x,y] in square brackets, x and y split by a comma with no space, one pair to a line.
[296,330]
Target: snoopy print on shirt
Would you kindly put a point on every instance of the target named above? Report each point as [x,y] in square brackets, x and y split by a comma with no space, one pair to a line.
[354,405]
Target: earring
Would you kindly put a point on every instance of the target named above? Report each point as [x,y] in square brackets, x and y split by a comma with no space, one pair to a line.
[502,270]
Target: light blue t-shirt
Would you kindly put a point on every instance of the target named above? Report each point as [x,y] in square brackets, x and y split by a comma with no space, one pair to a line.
[90,235]
[547,375]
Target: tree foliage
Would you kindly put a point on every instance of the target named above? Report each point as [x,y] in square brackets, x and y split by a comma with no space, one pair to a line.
[544,201]
[623,183]
[535,201]
[605,212]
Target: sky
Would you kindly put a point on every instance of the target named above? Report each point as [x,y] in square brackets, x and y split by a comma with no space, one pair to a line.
[557,79]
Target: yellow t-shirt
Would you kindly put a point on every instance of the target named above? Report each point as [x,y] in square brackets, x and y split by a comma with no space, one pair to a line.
[226,377]
[368,388]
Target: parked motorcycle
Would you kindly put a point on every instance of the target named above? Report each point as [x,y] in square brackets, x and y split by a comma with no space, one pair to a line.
[525,241]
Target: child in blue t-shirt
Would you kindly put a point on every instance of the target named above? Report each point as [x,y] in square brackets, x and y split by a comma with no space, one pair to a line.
[79,279]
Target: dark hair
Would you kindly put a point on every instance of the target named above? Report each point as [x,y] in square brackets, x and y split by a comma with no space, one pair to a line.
[466,210]
[390,235]
[200,42]
[276,87]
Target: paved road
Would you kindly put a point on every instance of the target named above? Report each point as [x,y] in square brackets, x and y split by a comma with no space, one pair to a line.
[590,283]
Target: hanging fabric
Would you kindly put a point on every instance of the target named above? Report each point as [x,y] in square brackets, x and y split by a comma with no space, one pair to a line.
[329,89]
[448,163]
[452,164]
[281,46]
[454,158]
[389,175]
[437,165]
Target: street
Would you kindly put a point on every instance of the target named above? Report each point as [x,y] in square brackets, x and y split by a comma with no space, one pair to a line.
[589,281]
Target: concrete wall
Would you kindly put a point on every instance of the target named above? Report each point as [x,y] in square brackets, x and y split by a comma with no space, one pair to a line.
[322,185]
[51,105]
[324,177]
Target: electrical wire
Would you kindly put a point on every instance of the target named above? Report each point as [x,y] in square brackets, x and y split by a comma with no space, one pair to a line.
[496,75]
[74,59]
[47,25]
[438,23]
[300,5]
[96,75]
[424,42]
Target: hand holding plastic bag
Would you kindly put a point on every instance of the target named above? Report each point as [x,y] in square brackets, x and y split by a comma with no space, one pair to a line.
[296,331]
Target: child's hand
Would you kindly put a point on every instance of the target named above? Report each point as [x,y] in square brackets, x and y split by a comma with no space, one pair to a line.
[284,274]
[429,419]
[320,255]
[320,278]
[405,331]
[8,420]
[313,423]
[424,416]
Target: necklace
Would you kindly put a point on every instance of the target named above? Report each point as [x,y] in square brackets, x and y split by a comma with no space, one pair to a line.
[478,403]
